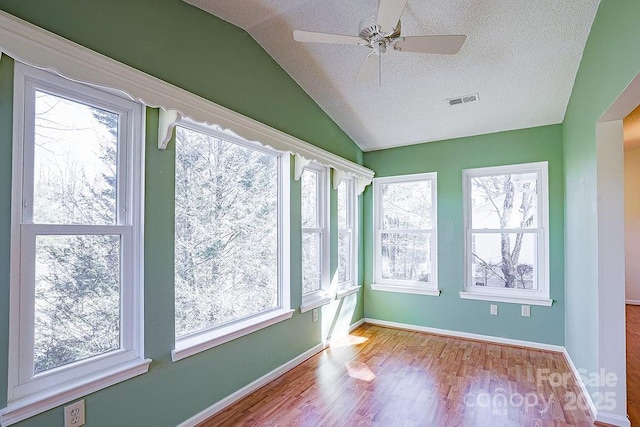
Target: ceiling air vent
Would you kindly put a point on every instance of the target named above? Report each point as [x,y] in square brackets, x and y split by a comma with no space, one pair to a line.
[463,99]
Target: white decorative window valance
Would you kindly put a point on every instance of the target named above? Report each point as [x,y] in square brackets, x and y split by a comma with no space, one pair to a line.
[34,46]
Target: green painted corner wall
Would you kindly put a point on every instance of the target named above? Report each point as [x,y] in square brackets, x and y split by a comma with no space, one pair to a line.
[6,116]
[449,311]
[194,50]
[610,61]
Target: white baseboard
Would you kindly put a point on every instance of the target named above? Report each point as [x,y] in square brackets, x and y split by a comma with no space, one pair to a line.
[583,387]
[632,302]
[260,382]
[467,335]
[250,388]
[614,420]
[356,325]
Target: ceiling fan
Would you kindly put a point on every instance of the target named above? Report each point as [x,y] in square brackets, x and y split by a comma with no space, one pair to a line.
[381,31]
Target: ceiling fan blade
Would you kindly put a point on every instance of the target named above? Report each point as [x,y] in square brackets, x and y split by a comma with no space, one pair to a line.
[446,45]
[389,12]
[311,37]
[369,68]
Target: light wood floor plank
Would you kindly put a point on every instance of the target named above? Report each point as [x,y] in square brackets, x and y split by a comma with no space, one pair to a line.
[389,377]
[633,364]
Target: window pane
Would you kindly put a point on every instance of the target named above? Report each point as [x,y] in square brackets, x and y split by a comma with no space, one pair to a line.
[504,201]
[309,199]
[344,256]
[77,299]
[342,206]
[504,260]
[75,158]
[311,273]
[226,231]
[407,205]
[406,256]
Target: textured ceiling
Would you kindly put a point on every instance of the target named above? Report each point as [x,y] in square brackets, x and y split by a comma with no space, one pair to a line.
[520,56]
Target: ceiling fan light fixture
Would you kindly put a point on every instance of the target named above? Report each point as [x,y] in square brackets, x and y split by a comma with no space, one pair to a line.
[380,31]
[370,31]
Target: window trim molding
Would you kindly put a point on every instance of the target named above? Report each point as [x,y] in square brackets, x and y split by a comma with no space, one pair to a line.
[352,224]
[324,295]
[341,293]
[541,296]
[206,339]
[412,289]
[29,394]
[27,407]
[40,48]
[403,286]
[218,336]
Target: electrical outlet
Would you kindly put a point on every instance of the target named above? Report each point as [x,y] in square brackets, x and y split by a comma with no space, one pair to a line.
[314,315]
[74,414]
[493,310]
[526,310]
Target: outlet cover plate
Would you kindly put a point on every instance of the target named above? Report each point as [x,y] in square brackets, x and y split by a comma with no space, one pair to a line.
[74,414]
[493,310]
[526,310]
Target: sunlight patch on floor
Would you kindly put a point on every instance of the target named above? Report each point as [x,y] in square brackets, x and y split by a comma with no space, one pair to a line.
[360,371]
[349,340]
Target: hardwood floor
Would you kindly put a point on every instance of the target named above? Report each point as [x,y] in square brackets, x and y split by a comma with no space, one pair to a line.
[633,364]
[389,377]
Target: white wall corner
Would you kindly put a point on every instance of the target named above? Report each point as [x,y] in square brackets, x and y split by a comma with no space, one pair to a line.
[611,262]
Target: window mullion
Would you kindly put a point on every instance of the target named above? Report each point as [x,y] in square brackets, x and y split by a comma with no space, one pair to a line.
[28,151]
[27,305]
[123,195]
[506,230]
[75,229]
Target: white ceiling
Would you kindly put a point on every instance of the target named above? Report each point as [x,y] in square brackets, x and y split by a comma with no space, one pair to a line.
[520,56]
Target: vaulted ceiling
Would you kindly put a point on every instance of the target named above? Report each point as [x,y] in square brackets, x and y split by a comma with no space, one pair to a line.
[521,57]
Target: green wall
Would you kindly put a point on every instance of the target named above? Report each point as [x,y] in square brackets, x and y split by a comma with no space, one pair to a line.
[610,61]
[6,116]
[449,311]
[205,55]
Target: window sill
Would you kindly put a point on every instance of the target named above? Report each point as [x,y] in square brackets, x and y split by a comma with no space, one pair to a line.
[343,292]
[190,346]
[508,299]
[315,300]
[32,405]
[420,290]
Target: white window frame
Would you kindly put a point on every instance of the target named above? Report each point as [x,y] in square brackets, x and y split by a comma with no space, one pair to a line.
[30,394]
[323,295]
[208,338]
[516,296]
[350,286]
[405,286]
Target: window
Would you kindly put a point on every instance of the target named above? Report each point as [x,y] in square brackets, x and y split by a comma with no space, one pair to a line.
[506,248]
[406,234]
[76,280]
[315,236]
[230,237]
[347,255]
